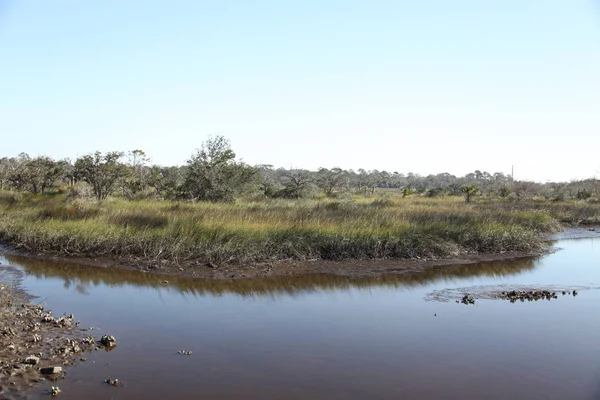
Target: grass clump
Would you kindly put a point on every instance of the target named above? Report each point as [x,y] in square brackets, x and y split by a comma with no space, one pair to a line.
[277,229]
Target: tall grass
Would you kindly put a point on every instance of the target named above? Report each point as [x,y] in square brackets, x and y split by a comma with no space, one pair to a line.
[249,232]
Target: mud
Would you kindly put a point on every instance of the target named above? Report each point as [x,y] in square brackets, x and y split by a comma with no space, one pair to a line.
[35,346]
[285,268]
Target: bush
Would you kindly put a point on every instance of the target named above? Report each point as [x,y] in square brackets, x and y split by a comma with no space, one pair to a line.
[584,194]
[81,191]
[69,212]
[504,192]
[435,192]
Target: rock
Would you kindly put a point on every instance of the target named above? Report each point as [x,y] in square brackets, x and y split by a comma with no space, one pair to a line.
[108,340]
[51,370]
[32,360]
[112,382]
[468,299]
[9,332]
[88,340]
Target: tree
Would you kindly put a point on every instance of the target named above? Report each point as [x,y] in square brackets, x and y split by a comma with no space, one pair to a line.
[41,173]
[4,168]
[16,171]
[213,174]
[331,180]
[469,191]
[297,183]
[137,176]
[101,171]
[269,183]
[166,180]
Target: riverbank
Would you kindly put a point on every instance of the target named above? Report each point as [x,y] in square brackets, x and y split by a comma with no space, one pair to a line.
[294,268]
[35,346]
[357,235]
[284,268]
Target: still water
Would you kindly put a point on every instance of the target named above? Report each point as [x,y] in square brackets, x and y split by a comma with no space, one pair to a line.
[328,337]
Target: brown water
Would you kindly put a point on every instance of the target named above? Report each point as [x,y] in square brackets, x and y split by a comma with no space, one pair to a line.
[325,337]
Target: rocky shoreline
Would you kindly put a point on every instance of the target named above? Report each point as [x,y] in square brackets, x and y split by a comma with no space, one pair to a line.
[36,346]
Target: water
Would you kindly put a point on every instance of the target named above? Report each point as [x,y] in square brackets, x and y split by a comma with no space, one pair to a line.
[325,337]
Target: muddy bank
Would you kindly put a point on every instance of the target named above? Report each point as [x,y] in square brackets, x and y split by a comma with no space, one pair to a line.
[289,268]
[36,346]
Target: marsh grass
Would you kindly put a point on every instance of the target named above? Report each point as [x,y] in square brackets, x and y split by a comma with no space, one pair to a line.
[257,231]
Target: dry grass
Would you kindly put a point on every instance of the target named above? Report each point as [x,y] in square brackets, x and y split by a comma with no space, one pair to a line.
[247,232]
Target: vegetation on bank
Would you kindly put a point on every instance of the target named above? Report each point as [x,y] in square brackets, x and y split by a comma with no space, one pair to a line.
[212,173]
[356,227]
[217,209]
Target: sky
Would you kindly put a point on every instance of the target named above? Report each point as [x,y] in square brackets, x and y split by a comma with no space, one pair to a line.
[426,86]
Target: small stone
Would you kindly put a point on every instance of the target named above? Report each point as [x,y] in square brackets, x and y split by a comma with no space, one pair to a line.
[435,315]
[112,382]
[32,360]
[51,370]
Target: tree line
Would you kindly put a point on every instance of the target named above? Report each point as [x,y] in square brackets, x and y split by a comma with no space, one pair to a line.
[213,173]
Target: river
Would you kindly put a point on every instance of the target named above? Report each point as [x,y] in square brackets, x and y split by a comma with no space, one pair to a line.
[330,337]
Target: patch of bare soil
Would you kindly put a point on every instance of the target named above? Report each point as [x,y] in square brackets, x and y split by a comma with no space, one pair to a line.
[35,346]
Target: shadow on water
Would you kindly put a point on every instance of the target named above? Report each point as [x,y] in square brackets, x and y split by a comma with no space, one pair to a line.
[82,277]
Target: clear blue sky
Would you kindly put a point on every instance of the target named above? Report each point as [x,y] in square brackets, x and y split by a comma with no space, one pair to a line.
[425,86]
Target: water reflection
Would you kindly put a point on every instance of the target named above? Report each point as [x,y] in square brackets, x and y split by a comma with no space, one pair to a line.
[331,336]
[80,278]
